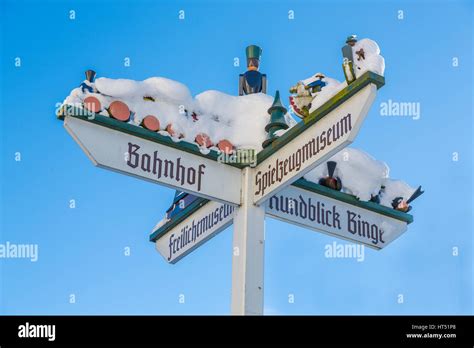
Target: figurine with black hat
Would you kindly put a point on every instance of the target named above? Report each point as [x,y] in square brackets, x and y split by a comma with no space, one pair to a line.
[252,81]
[331,181]
[398,203]
[404,205]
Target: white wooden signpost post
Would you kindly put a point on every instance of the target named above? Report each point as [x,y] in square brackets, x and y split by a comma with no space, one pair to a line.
[271,188]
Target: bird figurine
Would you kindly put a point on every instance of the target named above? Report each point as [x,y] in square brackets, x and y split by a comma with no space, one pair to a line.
[360,54]
[401,205]
[331,181]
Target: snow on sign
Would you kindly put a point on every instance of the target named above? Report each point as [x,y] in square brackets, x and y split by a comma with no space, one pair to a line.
[176,241]
[325,210]
[316,142]
[145,159]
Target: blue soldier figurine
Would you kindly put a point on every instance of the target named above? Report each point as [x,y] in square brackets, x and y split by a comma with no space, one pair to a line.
[181,200]
[252,81]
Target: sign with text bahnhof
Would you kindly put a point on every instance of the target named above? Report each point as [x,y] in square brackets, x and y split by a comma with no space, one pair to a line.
[155,162]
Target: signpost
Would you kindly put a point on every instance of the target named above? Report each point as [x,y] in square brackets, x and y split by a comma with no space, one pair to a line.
[272,188]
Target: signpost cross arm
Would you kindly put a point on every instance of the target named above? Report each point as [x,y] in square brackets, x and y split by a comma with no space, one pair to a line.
[248,252]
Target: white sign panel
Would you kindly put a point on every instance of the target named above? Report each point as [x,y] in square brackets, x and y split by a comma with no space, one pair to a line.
[340,219]
[316,144]
[154,162]
[205,223]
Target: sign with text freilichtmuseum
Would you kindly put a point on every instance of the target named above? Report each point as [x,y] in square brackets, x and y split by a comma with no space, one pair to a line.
[145,159]
[313,146]
[334,217]
[195,230]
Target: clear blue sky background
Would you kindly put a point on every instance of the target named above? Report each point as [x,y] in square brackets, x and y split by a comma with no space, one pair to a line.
[82,249]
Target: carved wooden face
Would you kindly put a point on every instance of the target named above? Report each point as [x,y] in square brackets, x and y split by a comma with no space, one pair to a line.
[253,64]
[403,206]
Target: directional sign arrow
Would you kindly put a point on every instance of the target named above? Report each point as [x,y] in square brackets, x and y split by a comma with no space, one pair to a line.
[314,140]
[203,221]
[155,161]
[324,210]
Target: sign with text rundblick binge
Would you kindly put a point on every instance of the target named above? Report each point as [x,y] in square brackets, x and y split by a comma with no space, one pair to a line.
[148,160]
[313,146]
[334,217]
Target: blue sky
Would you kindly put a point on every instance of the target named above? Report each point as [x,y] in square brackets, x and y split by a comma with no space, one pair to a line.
[81,250]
